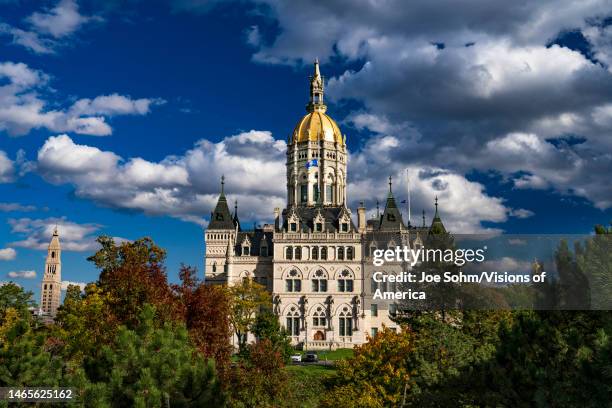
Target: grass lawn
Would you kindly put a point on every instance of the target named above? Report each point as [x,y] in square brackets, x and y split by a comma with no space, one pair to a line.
[339,354]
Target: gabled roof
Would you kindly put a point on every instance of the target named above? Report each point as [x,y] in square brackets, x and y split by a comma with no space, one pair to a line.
[308,214]
[391,218]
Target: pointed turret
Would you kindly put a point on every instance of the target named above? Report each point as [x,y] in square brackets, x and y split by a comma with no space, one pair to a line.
[391,218]
[317,89]
[437,227]
[221,217]
[235,218]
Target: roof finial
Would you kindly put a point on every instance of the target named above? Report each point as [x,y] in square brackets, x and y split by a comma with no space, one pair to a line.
[222,184]
[317,87]
[236,208]
[55,230]
[436,204]
[423,218]
[390,183]
[377,209]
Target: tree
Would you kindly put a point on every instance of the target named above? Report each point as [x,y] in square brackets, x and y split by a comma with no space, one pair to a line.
[12,296]
[85,322]
[267,327]
[246,299]
[133,273]
[150,367]
[205,310]
[595,261]
[23,358]
[377,375]
[259,380]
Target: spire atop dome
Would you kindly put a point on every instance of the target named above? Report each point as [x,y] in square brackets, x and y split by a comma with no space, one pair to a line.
[317,86]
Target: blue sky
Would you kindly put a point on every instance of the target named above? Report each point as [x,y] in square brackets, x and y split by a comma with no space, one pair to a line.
[120,119]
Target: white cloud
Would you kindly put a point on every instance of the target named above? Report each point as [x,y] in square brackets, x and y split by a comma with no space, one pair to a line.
[22,108]
[37,233]
[477,87]
[7,254]
[30,40]
[22,274]
[6,168]
[81,285]
[521,213]
[59,21]
[49,29]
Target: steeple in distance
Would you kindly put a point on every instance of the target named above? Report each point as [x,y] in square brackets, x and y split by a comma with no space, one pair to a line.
[50,291]
[317,89]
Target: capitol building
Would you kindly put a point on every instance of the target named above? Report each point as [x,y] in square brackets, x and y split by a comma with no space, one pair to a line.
[313,259]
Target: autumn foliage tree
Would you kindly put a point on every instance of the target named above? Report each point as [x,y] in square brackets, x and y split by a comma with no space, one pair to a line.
[133,273]
[205,311]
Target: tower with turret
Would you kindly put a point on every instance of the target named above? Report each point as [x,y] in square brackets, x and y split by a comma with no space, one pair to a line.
[51,288]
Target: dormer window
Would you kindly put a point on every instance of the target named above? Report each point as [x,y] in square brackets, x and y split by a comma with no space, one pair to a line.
[246,250]
[344,227]
[319,227]
[293,227]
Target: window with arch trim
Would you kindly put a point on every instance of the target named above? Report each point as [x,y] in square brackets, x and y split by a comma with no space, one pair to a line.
[345,282]
[350,253]
[345,322]
[324,253]
[319,282]
[315,253]
[293,321]
[340,255]
[319,318]
[293,283]
[289,252]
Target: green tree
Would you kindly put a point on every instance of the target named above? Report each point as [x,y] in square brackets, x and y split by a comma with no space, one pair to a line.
[151,367]
[85,322]
[247,298]
[267,327]
[12,296]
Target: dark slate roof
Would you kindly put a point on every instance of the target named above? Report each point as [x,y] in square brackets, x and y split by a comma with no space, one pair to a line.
[381,238]
[392,217]
[221,218]
[255,237]
[307,215]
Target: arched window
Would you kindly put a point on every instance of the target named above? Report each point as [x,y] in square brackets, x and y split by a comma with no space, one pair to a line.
[315,253]
[340,256]
[350,253]
[289,253]
[53,254]
[345,282]
[319,318]
[246,250]
[319,282]
[298,253]
[324,253]
[345,322]
[293,321]
[293,283]
[214,267]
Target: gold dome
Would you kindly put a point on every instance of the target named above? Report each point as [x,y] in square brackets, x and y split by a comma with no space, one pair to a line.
[316,126]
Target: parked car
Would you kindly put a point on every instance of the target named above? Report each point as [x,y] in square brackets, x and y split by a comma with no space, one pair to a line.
[296,358]
[311,357]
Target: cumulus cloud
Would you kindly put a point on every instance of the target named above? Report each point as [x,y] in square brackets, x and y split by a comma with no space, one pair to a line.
[48,29]
[185,187]
[59,21]
[6,168]
[7,254]
[443,82]
[23,109]
[22,274]
[37,233]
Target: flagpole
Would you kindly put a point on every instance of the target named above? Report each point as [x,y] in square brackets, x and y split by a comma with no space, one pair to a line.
[408,187]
